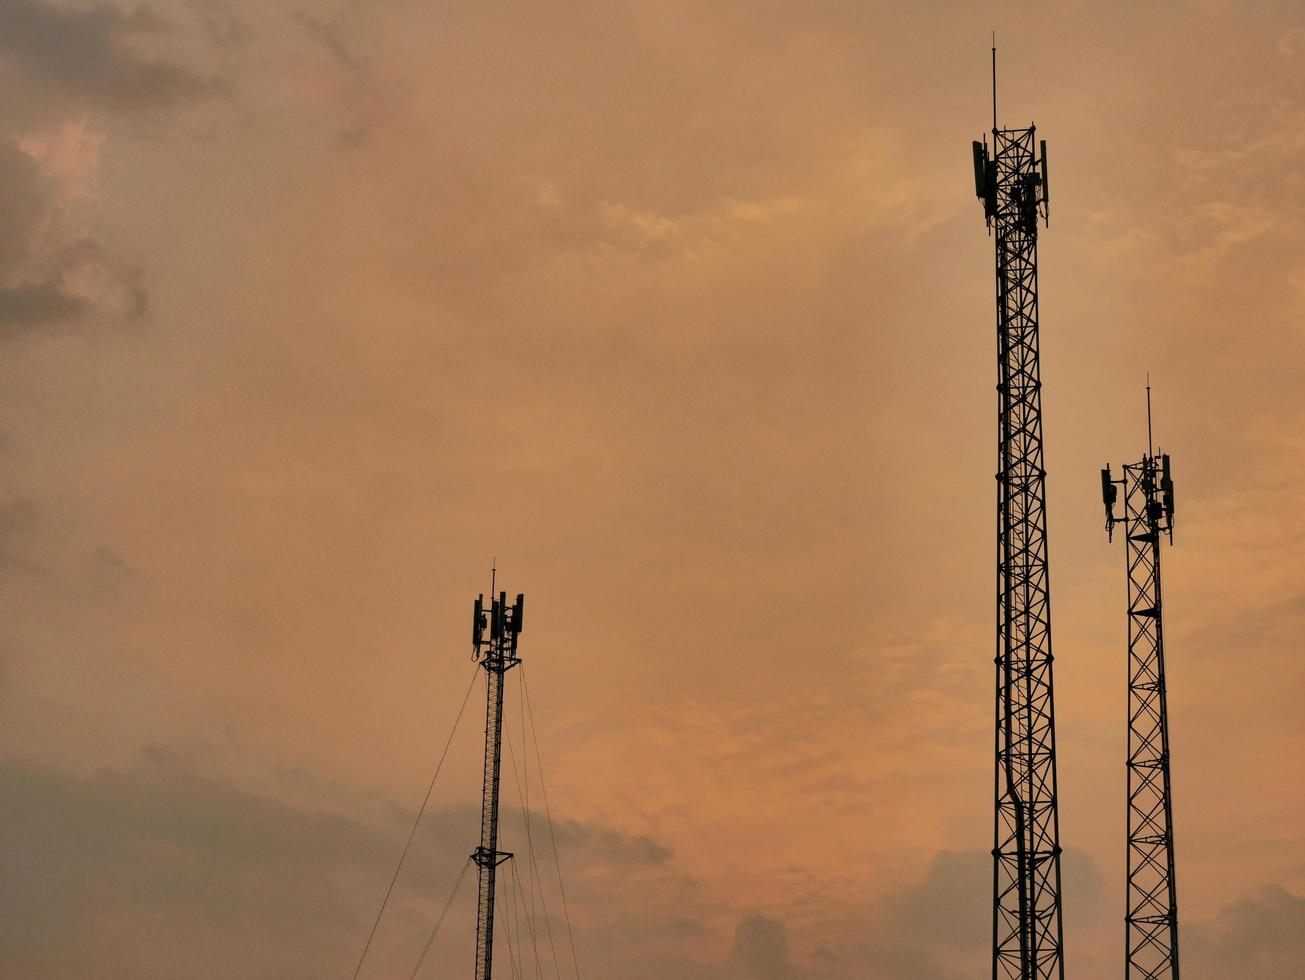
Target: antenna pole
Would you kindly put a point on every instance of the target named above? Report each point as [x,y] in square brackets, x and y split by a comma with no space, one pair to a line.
[1027,934]
[1150,451]
[994,81]
[504,624]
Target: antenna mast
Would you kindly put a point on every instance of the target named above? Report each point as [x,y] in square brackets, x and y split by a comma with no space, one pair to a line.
[994,81]
[498,656]
[1027,935]
[1149,442]
[1151,897]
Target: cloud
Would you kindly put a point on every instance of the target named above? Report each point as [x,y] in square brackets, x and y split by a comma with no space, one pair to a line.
[83,281]
[223,26]
[18,517]
[110,854]
[1256,938]
[288,890]
[103,283]
[93,861]
[84,55]
[51,272]
[940,926]
[61,65]
[761,949]
[37,305]
[24,205]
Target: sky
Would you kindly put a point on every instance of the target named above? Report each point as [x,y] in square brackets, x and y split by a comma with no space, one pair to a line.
[682,315]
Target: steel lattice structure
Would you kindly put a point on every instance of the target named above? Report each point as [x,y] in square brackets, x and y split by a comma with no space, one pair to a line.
[1027,935]
[498,658]
[1151,899]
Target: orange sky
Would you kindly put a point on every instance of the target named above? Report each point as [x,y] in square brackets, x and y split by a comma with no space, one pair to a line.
[684,312]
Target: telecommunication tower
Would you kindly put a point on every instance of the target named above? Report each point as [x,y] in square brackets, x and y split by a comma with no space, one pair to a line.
[1151,898]
[497,656]
[1027,934]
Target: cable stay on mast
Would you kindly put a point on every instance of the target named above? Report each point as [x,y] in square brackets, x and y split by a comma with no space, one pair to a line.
[415,824]
[534,861]
[520,898]
[534,887]
[534,893]
[552,836]
[513,931]
[440,921]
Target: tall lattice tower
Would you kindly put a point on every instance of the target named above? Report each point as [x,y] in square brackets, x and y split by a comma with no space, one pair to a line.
[497,657]
[1027,937]
[1151,897]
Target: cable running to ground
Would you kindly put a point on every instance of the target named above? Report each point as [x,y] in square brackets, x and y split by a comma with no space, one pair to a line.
[548,921]
[534,861]
[557,859]
[415,824]
[532,869]
[440,921]
[513,924]
[533,886]
[530,926]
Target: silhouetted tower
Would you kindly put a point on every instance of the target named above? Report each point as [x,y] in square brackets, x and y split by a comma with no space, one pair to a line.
[1151,898]
[1026,926]
[497,657]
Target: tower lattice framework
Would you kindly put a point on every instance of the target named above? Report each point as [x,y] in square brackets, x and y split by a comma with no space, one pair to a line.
[497,658]
[1151,898]
[1027,937]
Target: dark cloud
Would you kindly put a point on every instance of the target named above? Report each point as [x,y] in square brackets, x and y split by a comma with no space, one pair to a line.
[95,863]
[24,201]
[110,571]
[106,557]
[954,890]
[16,515]
[116,288]
[38,305]
[365,97]
[59,62]
[286,890]
[163,843]
[941,926]
[19,516]
[573,835]
[223,27]
[86,56]
[903,937]
[47,282]
[1257,938]
[761,949]
[333,40]
[85,282]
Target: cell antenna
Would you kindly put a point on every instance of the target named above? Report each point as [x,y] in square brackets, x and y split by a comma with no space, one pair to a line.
[1027,930]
